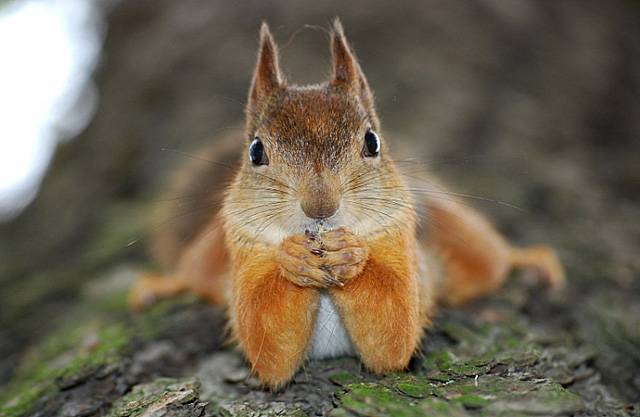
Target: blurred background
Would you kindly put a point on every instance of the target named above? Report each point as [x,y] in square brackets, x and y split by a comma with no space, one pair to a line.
[536,103]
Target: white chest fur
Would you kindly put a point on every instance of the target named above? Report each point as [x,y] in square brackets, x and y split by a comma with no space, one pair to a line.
[330,338]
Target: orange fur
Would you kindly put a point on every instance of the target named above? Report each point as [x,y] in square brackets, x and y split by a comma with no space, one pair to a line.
[381,307]
[475,257]
[271,318]
[201,268]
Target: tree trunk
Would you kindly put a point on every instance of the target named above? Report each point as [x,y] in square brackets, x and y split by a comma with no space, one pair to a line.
[533,103]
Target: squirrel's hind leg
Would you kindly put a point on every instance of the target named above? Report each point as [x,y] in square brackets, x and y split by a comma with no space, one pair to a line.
[475,258]
[201,269]
[149,288]
[543,260]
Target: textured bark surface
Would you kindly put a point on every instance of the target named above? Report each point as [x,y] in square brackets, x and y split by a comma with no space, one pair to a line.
[533,103]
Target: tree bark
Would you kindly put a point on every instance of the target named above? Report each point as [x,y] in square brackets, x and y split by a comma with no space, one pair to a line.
[533,103]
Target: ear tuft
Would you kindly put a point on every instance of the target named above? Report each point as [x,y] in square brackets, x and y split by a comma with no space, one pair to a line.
[347,73]
[267,78]
[345,67]
[337,27]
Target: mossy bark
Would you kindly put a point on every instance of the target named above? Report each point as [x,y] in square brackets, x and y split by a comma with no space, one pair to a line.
[532,104]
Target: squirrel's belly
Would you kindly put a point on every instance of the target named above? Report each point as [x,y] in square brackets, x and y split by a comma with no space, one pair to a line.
[330,338]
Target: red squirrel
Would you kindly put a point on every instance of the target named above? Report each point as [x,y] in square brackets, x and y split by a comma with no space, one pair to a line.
[312,247]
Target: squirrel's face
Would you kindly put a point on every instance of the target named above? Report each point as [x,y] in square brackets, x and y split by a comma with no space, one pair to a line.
[314,157]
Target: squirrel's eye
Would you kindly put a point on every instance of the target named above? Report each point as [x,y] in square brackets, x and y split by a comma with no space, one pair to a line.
[371,144]
[257,154]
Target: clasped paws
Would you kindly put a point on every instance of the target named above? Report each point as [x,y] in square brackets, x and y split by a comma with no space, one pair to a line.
[324,260]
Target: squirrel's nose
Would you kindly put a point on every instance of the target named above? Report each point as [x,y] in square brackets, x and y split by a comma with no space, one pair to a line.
[320,197]
[320,208]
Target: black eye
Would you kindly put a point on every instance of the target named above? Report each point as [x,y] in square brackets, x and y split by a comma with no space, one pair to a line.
[371,144]
[257,154]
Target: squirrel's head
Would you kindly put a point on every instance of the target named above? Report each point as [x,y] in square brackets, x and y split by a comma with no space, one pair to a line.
[314,156]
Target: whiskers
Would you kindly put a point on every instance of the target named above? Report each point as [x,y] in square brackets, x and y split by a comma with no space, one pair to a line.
[373,196]
[390,194]
[254,207]
[234,167]
[248,221]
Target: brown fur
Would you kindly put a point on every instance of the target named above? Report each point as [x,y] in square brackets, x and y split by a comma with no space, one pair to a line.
[265,255]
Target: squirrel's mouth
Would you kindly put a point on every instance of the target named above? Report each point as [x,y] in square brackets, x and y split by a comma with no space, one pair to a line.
[321,225]
[285,226]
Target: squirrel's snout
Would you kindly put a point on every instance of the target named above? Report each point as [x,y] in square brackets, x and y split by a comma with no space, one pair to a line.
[320,198]
[319,208]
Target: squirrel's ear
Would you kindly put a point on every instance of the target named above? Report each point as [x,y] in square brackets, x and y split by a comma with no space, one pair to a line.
[267,78]
[346,69]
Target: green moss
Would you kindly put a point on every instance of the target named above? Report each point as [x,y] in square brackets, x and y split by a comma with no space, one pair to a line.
[159,394]
[434,407]
[444,365]
[509,396]
[410,397]
[479,348]
[111,340]
[253,409]
[488,386]
[438,361]
[76,349]
[489,395]
[21,398]
[456,381]
[65,356]
[413,387]
[470,367]
[343,378]
[373,400]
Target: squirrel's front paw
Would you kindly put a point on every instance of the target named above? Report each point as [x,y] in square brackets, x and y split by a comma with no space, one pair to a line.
[344,253]
[300,262]
[322,261]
